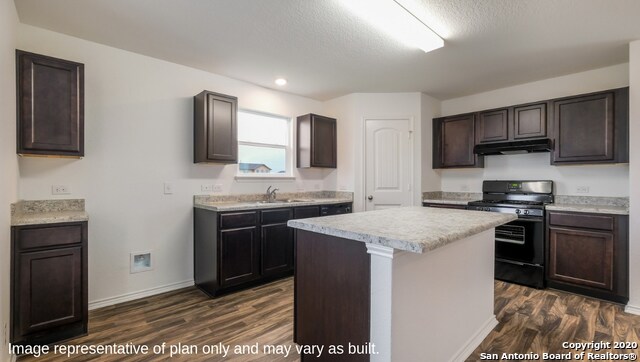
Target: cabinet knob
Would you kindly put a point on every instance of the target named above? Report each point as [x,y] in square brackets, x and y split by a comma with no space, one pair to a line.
[370,197]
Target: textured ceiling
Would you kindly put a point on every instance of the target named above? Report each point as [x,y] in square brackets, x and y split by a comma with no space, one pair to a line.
[326,52]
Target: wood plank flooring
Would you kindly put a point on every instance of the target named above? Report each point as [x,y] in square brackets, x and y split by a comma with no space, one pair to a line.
[531,321]
[538,321]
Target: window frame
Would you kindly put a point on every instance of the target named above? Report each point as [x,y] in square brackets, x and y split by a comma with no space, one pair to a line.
[288,149]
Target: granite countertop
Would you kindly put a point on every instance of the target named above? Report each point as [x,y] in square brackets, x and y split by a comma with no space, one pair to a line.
[591,204]
[454,198]
[414,229]
[256,201]
[34,212]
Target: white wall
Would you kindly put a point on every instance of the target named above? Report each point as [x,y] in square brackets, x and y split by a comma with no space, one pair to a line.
[430,108]
[351,110]
[8,158]
[139,134]
[634,177]
[602,180]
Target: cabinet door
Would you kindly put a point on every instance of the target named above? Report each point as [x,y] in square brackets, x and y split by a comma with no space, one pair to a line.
[277,249]
[323,142]
[581,257]
[239,256]
[584,129]
[493,126]
[215,128]
[530,121]
[457,138]
[50,105]
[48,289]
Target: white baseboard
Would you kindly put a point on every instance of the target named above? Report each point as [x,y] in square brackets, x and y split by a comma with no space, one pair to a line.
[139,294]
[632,309]
[465,351]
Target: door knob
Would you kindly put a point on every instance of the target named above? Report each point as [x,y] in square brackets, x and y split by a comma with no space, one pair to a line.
[370,197]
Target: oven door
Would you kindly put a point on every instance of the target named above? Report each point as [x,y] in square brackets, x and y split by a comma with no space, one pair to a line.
[521,240]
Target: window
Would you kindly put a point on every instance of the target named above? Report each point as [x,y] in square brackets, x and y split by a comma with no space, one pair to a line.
[263,145]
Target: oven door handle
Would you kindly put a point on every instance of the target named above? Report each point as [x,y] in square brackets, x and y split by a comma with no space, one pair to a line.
[519,242]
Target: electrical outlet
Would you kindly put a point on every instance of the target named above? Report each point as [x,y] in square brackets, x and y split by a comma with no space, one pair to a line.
[168,188]
[217,188]
[464,188]
[60,190]
[316,186]
[206,188]
[582,189]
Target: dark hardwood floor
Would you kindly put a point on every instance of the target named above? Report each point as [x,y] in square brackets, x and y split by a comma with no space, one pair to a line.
[531,321]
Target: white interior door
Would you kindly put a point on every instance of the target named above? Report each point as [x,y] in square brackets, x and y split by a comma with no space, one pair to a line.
[388,172]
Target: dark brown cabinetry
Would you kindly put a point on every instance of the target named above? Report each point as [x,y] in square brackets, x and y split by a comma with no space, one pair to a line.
[453,141]
[445,206]
[50,94]
[592,128]
[277,242]
[513,123]
[588,254]
[237,249]
[215,128]
[317,141]
[493,126]
[530,121]
[48,282]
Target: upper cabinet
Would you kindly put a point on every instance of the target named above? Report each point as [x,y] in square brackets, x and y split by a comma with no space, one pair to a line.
[583,129]
[453,141]
[215,128]
[50,112]
[513,123]
[592,128]
[317,141]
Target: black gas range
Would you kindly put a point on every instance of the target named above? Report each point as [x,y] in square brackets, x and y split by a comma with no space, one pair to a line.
[520,243]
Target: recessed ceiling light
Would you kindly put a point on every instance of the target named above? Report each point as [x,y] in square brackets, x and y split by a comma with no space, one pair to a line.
[395,20]
[281,81]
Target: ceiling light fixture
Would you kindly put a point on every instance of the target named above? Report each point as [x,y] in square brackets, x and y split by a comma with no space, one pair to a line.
[395,20]
[281,81]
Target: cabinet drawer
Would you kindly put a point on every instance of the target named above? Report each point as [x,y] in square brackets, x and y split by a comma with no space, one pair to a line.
[49,236]
[238,220]
[589,221]
[276,216]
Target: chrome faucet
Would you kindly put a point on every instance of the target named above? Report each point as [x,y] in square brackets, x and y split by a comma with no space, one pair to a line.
[271,194]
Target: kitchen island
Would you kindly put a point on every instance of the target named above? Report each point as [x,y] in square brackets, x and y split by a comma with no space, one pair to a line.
[402,284]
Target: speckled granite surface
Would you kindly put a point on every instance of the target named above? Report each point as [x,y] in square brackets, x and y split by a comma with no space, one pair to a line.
[592,204]
[252,201]
[33,212]
[455,198]
[414,229]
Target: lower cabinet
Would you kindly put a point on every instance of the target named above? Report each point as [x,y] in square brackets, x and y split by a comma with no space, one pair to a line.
[588,254]
[240,256]
[238,249]
[48,283]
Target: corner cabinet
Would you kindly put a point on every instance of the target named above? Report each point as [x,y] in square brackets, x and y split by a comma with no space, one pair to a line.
[453,142]
[49,299]
[589,254]
[235,250]
[592,128]
[215,128]
[317,141]
[50,100]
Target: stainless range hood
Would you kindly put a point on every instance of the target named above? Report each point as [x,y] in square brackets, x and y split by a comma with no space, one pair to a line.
[514,147]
